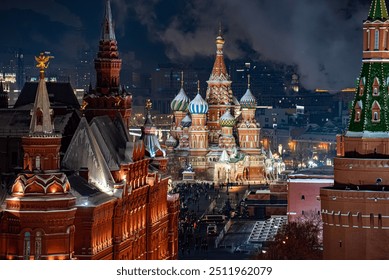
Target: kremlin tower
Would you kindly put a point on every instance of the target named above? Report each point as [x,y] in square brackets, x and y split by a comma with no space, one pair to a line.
[355,210]
[108,98]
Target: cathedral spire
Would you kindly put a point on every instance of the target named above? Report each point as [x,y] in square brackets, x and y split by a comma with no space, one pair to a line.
[219,70]
[41,113]
[107,32]
[378,10]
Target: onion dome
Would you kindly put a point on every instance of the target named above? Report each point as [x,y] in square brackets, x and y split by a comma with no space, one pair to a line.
[227,119]
[180,102]
[248,100]
[187,121]
[198,105]
[171,142]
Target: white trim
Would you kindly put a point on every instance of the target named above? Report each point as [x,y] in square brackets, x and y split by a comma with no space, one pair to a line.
[40,211]
[376,60]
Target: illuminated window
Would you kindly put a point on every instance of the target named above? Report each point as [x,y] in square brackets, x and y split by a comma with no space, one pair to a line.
[27,245]
[376,86]
[361,86]
[376,40]
[38,162]
[376,112]
[358,111]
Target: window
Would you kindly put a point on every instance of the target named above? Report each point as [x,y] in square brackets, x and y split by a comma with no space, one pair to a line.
[303,197]
[376,40]
[38,245]
[376,112]
[27,245]
[38,162]
[368,39]
[39,117]
[357,116]
[376,85]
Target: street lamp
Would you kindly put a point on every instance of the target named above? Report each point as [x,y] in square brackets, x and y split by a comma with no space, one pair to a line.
[228,178]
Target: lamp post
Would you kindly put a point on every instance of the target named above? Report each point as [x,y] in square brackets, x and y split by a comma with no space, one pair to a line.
[228,178]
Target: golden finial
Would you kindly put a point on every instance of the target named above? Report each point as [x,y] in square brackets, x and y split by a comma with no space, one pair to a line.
[248,80]
[182,79]
[149,104]
[43,63]
[198,86]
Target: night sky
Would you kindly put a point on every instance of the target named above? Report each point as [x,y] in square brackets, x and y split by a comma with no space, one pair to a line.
[322,37]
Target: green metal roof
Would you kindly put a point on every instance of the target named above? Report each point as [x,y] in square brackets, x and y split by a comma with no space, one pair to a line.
[378,10]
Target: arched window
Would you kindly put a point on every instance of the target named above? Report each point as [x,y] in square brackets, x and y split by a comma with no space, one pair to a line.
[376,112]
[38,245]
[358,111]
[38,162]
[39,117]
[376,86]
[368,40]
[27,245]
[361,85]
[376,40]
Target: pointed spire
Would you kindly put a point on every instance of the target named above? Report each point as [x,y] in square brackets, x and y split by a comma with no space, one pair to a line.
[107,32]
[41,113]
[378,10]
[219,71]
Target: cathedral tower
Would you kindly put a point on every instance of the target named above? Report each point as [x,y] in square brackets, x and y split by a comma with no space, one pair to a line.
[198,131]
[219,92]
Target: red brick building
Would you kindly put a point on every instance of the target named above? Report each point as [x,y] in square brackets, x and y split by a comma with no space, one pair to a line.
[108,199]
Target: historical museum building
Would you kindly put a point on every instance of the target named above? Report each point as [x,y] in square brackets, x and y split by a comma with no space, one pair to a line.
[218,135]
[106,196]
[355,210]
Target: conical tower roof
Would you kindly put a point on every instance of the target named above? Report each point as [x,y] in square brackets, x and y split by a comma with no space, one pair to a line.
[219,70]
[378,10]
[107,31]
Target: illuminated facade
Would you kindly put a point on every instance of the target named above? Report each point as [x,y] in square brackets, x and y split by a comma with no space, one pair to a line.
[218,135]
[108,199]
[355,210]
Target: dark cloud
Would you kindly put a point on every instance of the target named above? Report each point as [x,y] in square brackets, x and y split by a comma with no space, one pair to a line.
[50,8]
[323,38]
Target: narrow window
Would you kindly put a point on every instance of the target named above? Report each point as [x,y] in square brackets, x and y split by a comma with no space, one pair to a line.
[376,40]
[38,245]
[357,116]
[303,197]
[27,245]
[38,162]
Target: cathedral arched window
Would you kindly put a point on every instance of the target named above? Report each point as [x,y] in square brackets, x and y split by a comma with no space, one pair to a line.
[27,245]
[376,40]
[376,112]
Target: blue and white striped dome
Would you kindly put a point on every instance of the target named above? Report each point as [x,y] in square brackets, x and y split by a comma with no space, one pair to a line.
[227,119]
[180,102]
[198,105]
[248,100]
